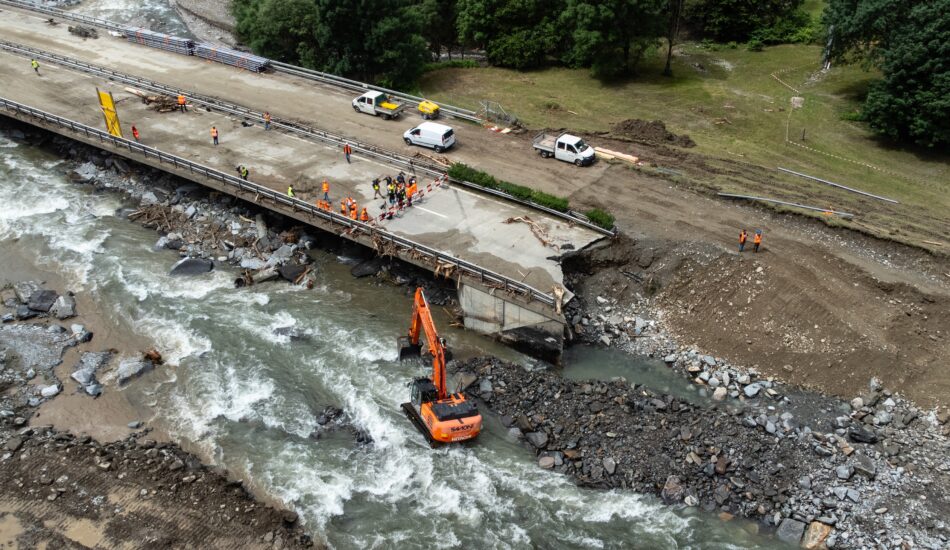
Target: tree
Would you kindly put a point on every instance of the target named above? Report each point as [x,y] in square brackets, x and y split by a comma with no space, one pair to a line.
[515,33]
[675,13]
[909,41]
[726,20]
[610,36]
[371,40]
[438,22]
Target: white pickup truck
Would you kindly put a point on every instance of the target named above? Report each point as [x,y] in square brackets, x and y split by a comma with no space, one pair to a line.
[377,103]
[564,147]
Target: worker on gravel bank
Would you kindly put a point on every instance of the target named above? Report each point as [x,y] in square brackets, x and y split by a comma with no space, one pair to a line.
[742,238]
[35,65]
[757,240]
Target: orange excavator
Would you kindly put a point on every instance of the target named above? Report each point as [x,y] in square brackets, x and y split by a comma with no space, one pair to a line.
[440,416]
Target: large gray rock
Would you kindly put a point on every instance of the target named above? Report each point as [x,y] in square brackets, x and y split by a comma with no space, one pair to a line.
[24,290]
[42,300]
[50,391]
[89,364]
[192,266]
[253,264]
[752,390]
[64,307]
[367,268]
[790,531]
[131,368]
[672,490]
[538,439]
[290,272]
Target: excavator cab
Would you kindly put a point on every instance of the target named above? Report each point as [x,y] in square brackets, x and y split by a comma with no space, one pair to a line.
[440,416]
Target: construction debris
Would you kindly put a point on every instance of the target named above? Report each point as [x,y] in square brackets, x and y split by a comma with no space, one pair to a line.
[537,230]
[438,159]
[161,103]
[83,31]
[609,154]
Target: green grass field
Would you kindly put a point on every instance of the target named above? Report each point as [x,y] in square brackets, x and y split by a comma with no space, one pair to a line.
[728,101]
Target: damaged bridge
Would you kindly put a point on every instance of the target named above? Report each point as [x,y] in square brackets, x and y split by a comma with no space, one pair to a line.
[502,252]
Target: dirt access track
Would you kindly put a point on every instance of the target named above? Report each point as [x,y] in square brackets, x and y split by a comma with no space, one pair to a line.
[836,307]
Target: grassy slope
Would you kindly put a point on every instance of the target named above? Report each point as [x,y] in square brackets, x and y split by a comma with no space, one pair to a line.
[735,85]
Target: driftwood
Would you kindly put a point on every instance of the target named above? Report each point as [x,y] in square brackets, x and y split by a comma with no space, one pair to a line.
[536,230]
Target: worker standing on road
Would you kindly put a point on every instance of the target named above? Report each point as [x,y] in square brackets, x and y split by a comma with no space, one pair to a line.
[364,215]
[35,65]
[757,240]
[343,209]
[401,178]
[354,210]
[214,135]
[266,120]
[742,238]
[401,195]
[326,190]
[376,192]
[242,170]
[135,132]
[181,102]
[347,151]
[391,189]
[290,191]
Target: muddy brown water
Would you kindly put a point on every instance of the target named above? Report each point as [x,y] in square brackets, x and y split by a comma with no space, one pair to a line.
[247,398]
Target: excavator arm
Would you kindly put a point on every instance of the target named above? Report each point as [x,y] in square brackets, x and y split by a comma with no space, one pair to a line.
[422,322]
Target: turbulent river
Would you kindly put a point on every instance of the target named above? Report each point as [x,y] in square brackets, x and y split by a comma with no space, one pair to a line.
[248,398]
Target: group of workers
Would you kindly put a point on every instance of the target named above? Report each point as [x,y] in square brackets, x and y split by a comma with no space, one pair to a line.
[399,191]
[756,240]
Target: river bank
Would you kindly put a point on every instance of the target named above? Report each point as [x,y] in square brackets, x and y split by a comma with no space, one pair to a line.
[79,469]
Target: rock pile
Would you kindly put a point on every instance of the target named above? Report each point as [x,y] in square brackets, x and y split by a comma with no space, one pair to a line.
[28,300]
[817,484]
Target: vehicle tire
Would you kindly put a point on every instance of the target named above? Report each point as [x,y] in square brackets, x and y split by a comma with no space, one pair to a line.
[408,141]
[579,162]
[547,154]
[388,117]
[438,149]
[355,108]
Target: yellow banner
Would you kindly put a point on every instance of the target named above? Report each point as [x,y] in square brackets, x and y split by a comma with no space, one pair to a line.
[108,111]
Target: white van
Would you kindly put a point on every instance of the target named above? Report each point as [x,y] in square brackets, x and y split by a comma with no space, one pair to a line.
[431,134]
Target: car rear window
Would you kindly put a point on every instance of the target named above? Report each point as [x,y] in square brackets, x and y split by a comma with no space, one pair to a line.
[448,133]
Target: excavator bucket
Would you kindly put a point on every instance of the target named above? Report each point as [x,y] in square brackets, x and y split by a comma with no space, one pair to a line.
[407,349]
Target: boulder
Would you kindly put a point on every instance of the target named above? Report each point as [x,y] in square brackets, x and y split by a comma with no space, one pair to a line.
[253,264]
[50,391]
[720,393]
[844,472]
[862,435]
[790,531]
[752,390]
[610,466]
[42,300]
[538,439]
[24,290]
[89,364]
[291,272]
[64,307]
[672,490]
[367,268]
[24,312]
[816,535]
[192,266]
[131,368]
[546,462]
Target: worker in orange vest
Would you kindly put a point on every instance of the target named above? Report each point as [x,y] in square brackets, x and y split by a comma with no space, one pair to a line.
[135,132]
[364,215]
[756,240]
[266,120]
[343,209]
[214,135]
[181,102]
[742,238]
[326,190]
[347,150]
[354,210]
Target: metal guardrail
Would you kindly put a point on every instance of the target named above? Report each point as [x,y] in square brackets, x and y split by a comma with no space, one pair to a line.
[354,85]
[78,17]
[317,134]
[467,268]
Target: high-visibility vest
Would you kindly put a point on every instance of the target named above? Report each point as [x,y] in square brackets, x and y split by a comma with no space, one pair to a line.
[181,100]
[290,191]
[34,64]
[757,239]
[364,216]
[267,117]
[135,132]
[214,132]
[742,237]
[411,190]
[347,149]
[326,186]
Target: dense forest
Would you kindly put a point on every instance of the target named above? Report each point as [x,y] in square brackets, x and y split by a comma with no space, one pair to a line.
[391,42]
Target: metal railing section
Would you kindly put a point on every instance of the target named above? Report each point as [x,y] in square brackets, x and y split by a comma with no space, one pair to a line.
[411,247]
[316,134]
